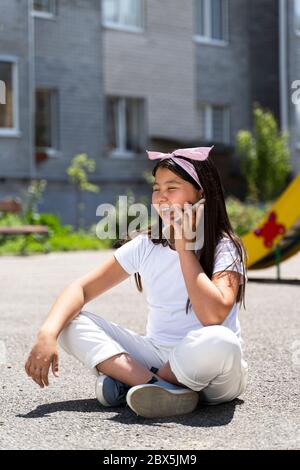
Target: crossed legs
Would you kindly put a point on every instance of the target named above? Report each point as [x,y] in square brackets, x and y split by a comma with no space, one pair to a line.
[126,369]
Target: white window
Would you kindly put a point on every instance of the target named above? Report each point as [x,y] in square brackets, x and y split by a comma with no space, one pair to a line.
[215,123]
[44,8]
[9,105]
[46,120]
[123,14]
[211,17]
[125,126]
[2,92]
[297,16]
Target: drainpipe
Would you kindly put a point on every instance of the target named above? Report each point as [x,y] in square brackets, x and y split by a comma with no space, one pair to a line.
[283,61]
[31,90]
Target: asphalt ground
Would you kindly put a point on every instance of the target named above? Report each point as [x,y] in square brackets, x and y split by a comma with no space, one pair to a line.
[66,415]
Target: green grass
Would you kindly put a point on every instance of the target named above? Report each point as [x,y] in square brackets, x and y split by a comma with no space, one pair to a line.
[61,237]
[244,217]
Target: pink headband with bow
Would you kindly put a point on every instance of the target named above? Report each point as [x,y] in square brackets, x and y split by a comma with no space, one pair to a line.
[196,153]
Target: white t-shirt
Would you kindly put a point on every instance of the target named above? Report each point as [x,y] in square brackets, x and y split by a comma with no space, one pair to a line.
[165,289]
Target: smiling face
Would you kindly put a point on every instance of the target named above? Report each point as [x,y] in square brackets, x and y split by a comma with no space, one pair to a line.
[170,189]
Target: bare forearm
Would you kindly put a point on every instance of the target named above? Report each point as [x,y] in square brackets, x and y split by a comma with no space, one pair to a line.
[65,308]
[205,297]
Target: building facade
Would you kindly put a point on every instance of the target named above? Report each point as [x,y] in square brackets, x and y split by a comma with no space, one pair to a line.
[290,77]
[112,79]
[51,56]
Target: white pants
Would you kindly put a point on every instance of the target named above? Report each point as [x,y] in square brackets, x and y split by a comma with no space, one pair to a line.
[208,360]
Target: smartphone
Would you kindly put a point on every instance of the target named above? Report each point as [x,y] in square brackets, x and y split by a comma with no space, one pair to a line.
[166,228]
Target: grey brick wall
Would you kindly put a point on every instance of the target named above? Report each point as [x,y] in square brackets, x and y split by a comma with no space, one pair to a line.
[14,151]
[69,59]
[60,198]
[85,62]
[165,65]
[157,64]
[223,72]
[263,25]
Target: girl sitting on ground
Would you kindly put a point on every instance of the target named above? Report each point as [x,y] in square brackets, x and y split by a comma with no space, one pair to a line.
[192,350]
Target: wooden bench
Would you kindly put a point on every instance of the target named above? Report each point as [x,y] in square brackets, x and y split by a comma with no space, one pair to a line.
[24,230]
[14,206]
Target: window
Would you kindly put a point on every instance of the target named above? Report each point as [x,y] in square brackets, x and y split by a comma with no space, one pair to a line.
[297,16]
[2,92]
[9,106]
[46,122]
[123,14]
[211,20]
[125,121]
[215,123]
[44,8]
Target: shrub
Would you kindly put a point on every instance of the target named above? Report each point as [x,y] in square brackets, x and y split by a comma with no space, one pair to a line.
[264,157]
[244,217]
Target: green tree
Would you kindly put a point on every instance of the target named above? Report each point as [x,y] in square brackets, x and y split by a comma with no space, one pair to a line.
[264,157]
[77,171]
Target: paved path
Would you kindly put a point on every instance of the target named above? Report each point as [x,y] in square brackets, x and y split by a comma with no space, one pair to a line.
[66,414]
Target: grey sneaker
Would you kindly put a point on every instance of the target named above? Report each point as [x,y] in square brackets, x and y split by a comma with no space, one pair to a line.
[160,399]
[110,392]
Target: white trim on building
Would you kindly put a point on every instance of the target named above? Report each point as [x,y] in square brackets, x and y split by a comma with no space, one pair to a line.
[210,129]
[127,16]
[204,33]
[13,131]
[47,14]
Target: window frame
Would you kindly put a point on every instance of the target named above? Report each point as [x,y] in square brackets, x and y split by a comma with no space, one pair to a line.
[15,130]
[208,125]
[296,27]
[206,37]
[52,151]
[123,27]
[120,152]
[44,14]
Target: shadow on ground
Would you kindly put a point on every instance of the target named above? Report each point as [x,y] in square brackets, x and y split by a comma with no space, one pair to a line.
[203,416]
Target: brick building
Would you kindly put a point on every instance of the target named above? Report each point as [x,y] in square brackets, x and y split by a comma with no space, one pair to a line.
[113,79]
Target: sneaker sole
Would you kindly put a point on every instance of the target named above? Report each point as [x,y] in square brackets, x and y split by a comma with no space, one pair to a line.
[152,401]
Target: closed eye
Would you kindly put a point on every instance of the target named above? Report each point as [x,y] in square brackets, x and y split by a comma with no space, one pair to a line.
[168,188]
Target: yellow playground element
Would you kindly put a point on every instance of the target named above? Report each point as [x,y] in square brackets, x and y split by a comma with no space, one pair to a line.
[277,237]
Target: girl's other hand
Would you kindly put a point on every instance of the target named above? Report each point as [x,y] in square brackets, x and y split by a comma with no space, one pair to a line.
[43,354]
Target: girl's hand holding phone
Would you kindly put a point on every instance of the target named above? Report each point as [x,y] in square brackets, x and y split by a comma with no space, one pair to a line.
[187,228]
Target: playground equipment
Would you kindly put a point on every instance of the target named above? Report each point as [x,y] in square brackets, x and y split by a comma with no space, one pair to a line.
[277,238]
